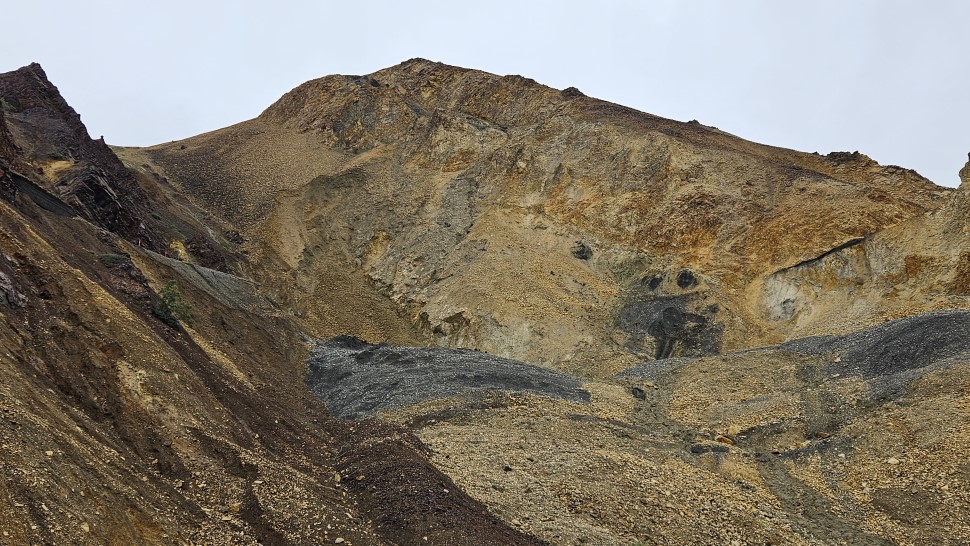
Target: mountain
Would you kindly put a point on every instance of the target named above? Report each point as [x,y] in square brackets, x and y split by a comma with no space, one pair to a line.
[574,322]
[120,427]
[532,223]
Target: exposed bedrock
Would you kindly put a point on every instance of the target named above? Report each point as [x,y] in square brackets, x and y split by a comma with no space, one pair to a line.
[670,314]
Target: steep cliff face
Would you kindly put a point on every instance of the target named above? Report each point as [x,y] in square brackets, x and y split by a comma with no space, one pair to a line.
[56,164]
[536,224]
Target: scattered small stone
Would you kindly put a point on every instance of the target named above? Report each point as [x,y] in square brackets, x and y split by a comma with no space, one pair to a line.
[697,449]
[338,540]
[638,393]
[892,460]
[49,453]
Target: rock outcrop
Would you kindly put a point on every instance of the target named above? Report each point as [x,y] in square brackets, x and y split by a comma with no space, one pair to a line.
[56,145]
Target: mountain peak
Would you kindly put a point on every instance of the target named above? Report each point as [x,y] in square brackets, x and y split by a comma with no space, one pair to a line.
[28,88]
[36,69]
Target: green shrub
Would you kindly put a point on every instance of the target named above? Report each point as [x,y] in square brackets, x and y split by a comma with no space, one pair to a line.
[112,260]
[173,307]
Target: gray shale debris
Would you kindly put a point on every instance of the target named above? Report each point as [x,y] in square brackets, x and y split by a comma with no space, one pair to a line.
[356,379]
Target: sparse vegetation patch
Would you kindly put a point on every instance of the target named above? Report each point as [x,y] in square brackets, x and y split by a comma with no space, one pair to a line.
[114,260]
[173,308]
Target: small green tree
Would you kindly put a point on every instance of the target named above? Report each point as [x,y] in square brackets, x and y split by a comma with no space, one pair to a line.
[173,307]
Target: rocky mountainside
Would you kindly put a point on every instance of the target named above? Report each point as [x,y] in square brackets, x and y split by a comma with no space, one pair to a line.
[537,224]
[574,322]
[122,425]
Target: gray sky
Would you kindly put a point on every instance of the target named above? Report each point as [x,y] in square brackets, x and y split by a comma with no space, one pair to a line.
[885,77]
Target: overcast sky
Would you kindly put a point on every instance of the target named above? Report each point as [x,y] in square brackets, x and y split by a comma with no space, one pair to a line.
[885,77]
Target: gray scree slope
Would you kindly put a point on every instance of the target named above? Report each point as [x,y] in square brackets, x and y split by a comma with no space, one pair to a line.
[888,356]
[356,379]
